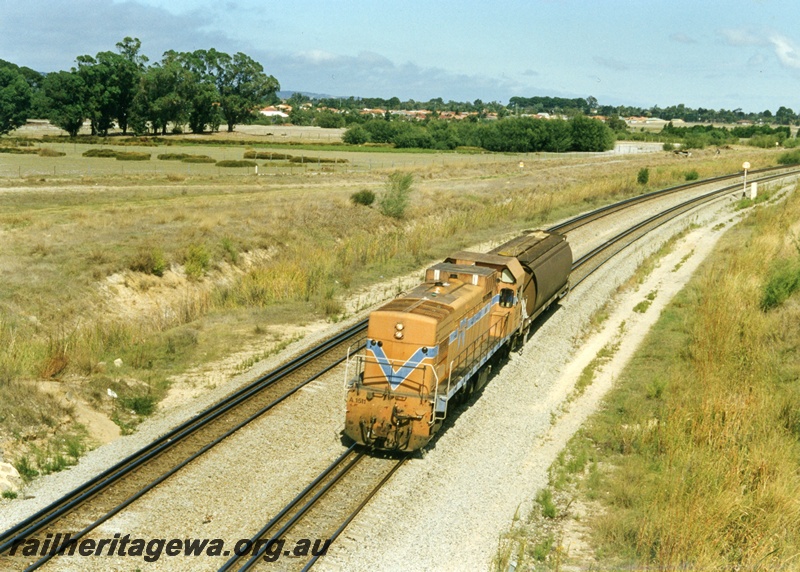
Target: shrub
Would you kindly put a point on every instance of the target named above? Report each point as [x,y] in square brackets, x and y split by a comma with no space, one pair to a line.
[363,197]
[765,141]
[132,156]
[316,160]
[103,153]
[267,155]
[791,143]
[149,261]
[197,261]
[356,135]
[783,282]
[172,156]
[695,141]
[25,469]
[644,176]
[231,163]
[198,159]
[18,151]
[545,500]
[47,152]
[229,249]
[396,199]
[790,158]
[692,175]
[140,404]
[668,146]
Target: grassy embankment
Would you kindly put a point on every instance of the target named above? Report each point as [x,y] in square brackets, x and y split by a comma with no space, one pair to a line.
[692,462]
[247,254]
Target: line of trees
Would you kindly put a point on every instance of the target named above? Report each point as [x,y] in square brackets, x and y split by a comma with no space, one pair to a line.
[436,104]
[512,134]
[202,89]
[590,106]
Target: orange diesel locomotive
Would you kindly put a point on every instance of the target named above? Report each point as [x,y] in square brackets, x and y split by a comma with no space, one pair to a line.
[438,343]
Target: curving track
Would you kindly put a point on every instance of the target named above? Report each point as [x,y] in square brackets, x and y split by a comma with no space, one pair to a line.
[116,488]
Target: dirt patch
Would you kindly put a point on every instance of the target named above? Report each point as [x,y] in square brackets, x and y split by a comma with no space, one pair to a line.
[135,295]
[200,380]
[100,428]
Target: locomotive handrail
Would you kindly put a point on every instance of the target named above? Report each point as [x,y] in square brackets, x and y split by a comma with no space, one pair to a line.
[436,396]
[347,369]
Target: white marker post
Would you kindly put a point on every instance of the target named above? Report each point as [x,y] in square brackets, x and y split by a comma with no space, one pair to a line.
[745,166]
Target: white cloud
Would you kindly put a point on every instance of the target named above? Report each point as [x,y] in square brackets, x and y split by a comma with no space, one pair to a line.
[370,74]
[784,48]
[92,26]
[786,51]
[317,57]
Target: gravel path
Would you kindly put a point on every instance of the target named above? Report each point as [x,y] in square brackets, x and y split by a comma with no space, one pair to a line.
[441,512]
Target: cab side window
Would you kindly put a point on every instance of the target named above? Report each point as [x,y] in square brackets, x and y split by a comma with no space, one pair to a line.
[506,298]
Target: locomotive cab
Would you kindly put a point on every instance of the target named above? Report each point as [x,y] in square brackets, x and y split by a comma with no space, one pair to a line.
[389,393]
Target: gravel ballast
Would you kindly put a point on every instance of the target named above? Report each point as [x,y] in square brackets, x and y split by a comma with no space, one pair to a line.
[443,511]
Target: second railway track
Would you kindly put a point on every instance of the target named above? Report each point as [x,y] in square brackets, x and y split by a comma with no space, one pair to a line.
[119,486]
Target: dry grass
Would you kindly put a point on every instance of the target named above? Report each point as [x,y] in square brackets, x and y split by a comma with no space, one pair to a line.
[699,442]
[224,253]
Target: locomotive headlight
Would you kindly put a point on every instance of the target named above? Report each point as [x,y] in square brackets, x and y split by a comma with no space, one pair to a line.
[398,335]
[399,326]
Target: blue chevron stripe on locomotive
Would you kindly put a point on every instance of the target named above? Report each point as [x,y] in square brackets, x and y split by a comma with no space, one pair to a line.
[397,376]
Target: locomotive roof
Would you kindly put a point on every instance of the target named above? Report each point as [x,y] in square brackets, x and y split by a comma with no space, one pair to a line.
[490,260]
[478,258]
[529,246]
[463,268]
[422,306]
[436,299]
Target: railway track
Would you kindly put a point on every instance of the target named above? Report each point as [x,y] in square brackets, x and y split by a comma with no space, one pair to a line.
[118,487]
[322,510]
[273,531]
[594,259]
[592,216]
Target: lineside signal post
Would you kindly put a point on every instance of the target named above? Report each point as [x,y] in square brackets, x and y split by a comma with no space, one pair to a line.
[745,166]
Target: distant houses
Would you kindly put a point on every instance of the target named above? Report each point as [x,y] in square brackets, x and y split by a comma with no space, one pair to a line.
[275,111]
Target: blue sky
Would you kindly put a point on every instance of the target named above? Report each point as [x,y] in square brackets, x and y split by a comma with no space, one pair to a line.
[703,53]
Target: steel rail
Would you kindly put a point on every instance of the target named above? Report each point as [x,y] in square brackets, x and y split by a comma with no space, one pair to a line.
[315,494]
[667,215]
[358,509]
[71,500]
[92,487]
[591,216]
[344,463]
